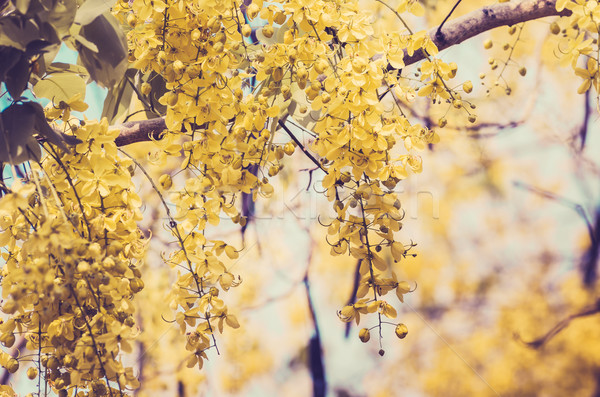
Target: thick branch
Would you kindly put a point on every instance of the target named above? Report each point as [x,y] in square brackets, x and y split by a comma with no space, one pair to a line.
[487,18]
[453,32]
[139,131]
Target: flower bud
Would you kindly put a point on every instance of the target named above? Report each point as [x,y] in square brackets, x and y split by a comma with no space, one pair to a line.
[401,331]
[364,335]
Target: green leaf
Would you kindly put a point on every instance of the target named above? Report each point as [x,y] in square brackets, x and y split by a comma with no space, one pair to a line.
[60,86]
[159,87]
[56,67]
[118,98]
[62,16]
[17,143]
[42,127]
[91,9]
[109,63]
[86,43]
[9,56]
[17,77]
[14,32]
[22,5]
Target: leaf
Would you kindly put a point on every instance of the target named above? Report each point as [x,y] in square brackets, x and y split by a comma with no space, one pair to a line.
[109,64]
[16,78]
[88,44]
[61,17]
[22,5]
[118,98]
[60,86]
[42,127]
[36,47]
[67,67]
[17,144]
[17,33]
[91,9]
[9,56]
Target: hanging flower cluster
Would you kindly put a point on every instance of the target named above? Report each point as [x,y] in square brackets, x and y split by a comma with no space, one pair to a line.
[237,98]
[72,250]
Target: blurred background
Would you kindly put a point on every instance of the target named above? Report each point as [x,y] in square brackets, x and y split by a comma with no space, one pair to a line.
[506,218]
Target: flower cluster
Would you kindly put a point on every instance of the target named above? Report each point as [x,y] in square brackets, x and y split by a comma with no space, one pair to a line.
[236,99]
[72,250]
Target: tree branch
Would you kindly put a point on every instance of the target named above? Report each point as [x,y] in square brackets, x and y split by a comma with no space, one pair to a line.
[139,131]
[587,311]
[453,32]
[487,18]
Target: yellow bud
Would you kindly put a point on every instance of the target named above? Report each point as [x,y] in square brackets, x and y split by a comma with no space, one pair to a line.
[488,44]
[136,284]
[289,148]
[52,363]
[268,31]
[12,366]
[320,66]
[279,18]
[302,73]
[172,98]
[252,11]
[554,28]
[178,66]
[8,339]
[401,331]
[32,372]
[364,335]
[468,86]
[165,181]
[145,88]
[442,122]
[9,306]
[288,37]
[286,92]
[218,47]
[246,30]
[277,74]
[131,20]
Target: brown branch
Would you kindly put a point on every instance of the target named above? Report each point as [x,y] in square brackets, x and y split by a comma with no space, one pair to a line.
[453,32]
[587,311]
[139,131]
[487,18]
